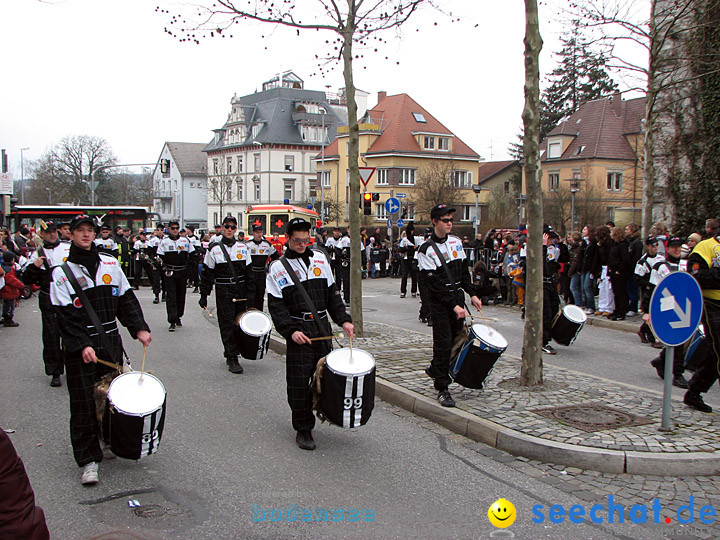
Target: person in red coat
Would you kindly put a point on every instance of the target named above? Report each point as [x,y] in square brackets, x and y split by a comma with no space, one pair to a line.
[11,291]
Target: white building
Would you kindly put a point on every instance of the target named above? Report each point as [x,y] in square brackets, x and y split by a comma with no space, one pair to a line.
[180,184]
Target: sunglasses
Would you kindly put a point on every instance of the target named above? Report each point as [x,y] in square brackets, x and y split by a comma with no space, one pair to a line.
[228,226]
[447,220]
[174,228]
[300,241]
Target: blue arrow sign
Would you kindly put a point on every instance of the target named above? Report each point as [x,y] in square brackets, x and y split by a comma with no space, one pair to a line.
[400,195]
[675,308]
[392,205]
[401,223]
[389,223]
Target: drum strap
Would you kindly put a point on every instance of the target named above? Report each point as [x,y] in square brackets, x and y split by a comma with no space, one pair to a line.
[91,313]
[302,290]
[230,264]
[445,266]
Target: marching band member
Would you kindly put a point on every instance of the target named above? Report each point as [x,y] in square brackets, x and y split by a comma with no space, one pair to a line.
[174,251]
[444,296]
[408,246]
[259,250]
[38,271]
[643,274]
[154,243]
[294,321]
[107,244]
[107,289]
[233,287]
[144,252]
[196,258]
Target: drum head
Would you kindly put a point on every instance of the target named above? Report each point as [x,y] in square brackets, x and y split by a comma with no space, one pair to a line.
[131,395]
[339,361]
[574,314]
[489,336]
[255,323]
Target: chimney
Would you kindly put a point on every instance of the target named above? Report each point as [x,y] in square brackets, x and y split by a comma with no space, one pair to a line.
[381,95]
[617,104]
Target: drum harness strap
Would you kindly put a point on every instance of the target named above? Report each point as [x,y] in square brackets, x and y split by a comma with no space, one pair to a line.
[302,290]
[93,316]
[464,335]
[230,264]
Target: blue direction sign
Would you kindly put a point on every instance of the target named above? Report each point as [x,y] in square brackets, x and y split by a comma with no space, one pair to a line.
[675,308]
[392,205]
[401,223]
[389,223]
[400,195]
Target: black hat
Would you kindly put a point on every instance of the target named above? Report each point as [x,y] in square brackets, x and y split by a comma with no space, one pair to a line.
[105,228]
[440,210]
[650,240]
[8,256]
[297,224]
[48,226]
[336,229]
[675,241]
[229,219]
[257,228]
[160,226]
[142,231]
[173,222]
[82,218]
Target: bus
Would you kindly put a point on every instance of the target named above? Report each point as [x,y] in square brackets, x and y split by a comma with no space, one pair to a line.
[133,217]
[274,217]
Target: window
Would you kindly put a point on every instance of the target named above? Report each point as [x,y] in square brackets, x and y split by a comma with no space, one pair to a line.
[467,213]
[239,164]
[215,217]
[461,179]
[257,162]
[216,166]
[240,190]
[380,211]
[553,181]
[289,191]
[407,177]
[325,178]
[255,130]
[429,143]
[381,177]
[443,143]
[347,148]
[579,150]
[507,187]
[257,190]
[229,165]
[419,117]
[228,191]
[554,149]
[290,163]
[614,181]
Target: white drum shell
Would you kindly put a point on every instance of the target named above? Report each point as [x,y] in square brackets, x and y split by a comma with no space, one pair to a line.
[489,339]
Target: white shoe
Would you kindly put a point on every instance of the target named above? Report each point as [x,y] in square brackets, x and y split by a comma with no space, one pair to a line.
[589,311]
[90,474]
[630,314]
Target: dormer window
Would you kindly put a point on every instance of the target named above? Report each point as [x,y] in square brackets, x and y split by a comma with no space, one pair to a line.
[579,150]
[419,117]
[443,143]
[554,149]
[429,143]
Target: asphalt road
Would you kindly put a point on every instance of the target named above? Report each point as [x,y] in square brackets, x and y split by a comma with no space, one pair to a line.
[228,463]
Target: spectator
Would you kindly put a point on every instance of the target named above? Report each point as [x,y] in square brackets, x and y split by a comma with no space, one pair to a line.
[574,266]
[693,240]
[635,251]
[712,228]
[619,266]
[21,238]
[659,231]
[606,300]
[11,291]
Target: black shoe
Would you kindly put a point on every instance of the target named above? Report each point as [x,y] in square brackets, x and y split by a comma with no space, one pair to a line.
[172,327]
[234,366]
[657,345]
[196,290]
[136,288]
[659,365]
[9,323]
[304,440]
[549,349]
[680,382]
[429,322]
[642,336]
[179,323]
[695,400]
[163,297]
[446,399]
[156,300]
[402,295]
[55,382]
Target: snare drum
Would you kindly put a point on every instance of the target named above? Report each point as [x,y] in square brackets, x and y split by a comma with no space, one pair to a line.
[567,324]
[136,415]
[475,360]
[254,333]
[696,350]
[348,387]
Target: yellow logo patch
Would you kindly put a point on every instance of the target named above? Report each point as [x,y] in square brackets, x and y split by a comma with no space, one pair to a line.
[239,256]
[454,254]
[317,271]
[107,279]
[64,259]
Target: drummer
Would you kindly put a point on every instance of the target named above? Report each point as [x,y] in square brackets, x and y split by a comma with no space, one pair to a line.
[446,300]
[112,299]
[293,319]
[233,286]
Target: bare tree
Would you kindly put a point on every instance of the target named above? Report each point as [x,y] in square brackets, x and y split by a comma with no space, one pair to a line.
[531,373]
[434,185]
[220,184]
[353,22]
[557,208]
[502,208]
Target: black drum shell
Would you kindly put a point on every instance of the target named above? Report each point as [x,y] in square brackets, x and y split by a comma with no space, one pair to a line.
[332,397]
[564,331]
[476,365]
[125,433]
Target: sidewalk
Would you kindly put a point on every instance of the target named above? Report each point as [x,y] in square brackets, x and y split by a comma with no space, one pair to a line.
[574,419]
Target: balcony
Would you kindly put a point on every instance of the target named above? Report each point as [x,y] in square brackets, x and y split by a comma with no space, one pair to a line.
[311,119]
[163,194]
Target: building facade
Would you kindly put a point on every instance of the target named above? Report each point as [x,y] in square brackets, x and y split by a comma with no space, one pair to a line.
[180,184]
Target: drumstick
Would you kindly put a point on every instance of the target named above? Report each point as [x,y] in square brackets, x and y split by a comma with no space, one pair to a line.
[351,359]
[142,368]
[239,299]
[109,364]
[321,338]
[208,311]
[484,318]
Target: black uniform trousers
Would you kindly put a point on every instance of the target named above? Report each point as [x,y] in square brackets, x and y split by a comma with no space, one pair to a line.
[84,427]
[227,312]
[707,373]
[619,286]
[551,305]
[445,327]
[52,349]
[299,369]
[424,303]
[176,289]
[343,279]
[678,360]
[193,274]
[151,272]
[259,278]
[409,268]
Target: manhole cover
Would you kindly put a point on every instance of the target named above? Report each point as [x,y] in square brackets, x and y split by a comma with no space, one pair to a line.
[149,510]
[593,417]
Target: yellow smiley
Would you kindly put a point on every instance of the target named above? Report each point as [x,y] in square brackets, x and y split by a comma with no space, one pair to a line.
[502,513]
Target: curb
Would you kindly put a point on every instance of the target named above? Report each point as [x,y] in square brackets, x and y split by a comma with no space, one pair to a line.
[518,444]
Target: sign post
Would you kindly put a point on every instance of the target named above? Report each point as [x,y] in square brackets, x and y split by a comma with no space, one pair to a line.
[675,309]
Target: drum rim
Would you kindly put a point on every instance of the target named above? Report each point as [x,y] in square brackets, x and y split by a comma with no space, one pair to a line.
[139,415]
[253,312]
[355,349]
[475,336]
[578,310]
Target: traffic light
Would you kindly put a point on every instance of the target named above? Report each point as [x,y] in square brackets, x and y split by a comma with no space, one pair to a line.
[4,164]
[375,197]
[164,166]
[367,203]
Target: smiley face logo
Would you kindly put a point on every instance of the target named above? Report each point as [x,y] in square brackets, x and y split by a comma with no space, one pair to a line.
[502,513]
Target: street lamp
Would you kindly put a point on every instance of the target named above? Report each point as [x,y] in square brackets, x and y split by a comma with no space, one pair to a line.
[574,188]
[477,189]
[322,168]
[22,174]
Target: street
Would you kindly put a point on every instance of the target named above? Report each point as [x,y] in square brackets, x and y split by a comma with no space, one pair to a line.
[228,466]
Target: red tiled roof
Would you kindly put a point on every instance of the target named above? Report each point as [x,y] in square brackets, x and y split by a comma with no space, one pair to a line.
[491,168]
[601,127]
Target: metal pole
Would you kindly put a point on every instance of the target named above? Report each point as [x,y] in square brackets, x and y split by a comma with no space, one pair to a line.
[477,213]
[92,188]
[667,388]
[572,219]
[22,174]
[322,172]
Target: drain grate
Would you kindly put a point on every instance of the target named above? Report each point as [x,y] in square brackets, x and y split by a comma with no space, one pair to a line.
[150,511]
[593,417]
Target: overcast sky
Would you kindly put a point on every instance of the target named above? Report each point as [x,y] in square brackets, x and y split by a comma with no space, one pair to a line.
[106,68]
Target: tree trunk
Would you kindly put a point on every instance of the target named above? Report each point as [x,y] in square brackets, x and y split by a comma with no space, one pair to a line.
[531,373]
[648,184]
[354,199]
